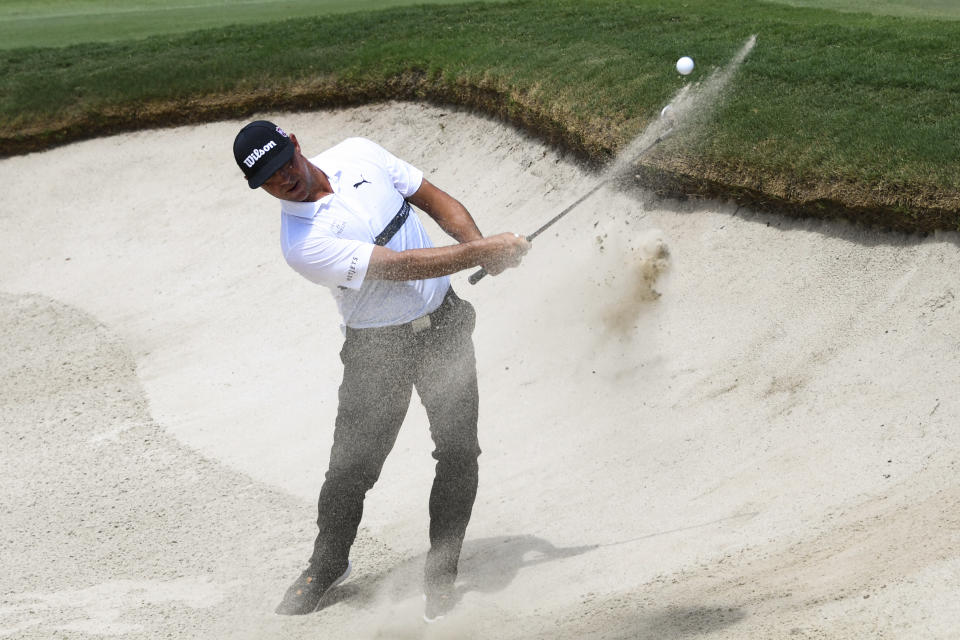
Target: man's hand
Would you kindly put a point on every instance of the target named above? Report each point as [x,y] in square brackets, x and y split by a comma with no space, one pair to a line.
[508,252]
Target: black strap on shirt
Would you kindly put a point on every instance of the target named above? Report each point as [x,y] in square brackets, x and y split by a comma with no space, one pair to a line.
[391,229]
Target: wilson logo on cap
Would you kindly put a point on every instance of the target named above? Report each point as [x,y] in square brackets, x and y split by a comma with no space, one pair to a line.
[251,159]
[260,149]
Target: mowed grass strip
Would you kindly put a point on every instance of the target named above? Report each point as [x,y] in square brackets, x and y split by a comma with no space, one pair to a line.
[57,23]
[839,107]
[944,9]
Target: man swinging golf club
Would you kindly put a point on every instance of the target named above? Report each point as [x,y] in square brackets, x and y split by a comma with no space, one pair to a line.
[347,224]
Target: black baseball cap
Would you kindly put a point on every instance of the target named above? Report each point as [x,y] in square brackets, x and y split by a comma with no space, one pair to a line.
[260,149]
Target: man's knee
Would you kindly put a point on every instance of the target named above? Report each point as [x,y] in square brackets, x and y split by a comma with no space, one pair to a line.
[458,457]
[353,476]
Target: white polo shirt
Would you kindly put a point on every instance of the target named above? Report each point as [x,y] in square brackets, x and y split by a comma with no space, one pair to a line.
[330,241]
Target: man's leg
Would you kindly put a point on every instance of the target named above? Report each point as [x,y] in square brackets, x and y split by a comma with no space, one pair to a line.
[373,400]
[374,397]
[447,385]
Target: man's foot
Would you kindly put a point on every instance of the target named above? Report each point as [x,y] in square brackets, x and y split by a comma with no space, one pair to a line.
[438,604]
[305,594]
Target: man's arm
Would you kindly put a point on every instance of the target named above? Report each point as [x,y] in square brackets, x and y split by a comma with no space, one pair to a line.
[452,216]
[457,222]
[495,253]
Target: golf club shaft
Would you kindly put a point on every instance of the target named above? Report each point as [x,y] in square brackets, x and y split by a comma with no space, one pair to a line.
[478,275]
[570,208]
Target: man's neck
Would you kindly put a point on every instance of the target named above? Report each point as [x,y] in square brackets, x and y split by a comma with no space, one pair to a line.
[321,184]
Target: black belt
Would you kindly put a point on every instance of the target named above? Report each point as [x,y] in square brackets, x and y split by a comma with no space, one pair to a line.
[432,319]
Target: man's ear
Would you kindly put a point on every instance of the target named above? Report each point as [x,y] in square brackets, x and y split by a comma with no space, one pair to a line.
[296,145]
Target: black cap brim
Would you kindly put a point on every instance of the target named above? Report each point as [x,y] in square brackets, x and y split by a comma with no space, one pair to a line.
[263,173]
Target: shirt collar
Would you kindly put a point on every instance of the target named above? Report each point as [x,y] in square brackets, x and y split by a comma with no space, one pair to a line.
[307,210]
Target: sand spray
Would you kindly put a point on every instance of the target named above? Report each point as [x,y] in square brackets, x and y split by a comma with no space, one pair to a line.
[640,259]
[690,106]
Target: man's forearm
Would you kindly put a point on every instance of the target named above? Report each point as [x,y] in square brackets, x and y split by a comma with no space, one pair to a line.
[420,264]
[457,222]
[447,211]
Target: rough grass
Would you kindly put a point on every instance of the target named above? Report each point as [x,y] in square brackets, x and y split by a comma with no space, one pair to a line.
[832,113]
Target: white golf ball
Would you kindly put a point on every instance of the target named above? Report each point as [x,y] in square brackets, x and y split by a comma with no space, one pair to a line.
[685,65]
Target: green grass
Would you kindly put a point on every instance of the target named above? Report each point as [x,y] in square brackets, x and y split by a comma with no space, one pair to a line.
[56,23]
[864,104]
[945,9]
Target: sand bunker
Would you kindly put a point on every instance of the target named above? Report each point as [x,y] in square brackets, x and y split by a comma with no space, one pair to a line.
[697,421]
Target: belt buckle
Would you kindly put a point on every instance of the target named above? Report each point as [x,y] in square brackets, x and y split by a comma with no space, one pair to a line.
[420,324]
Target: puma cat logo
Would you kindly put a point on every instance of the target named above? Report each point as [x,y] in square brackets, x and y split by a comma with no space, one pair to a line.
[362,181]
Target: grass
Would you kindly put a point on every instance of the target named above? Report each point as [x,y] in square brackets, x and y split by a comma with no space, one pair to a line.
[846,109]
[943,9]
[57,23]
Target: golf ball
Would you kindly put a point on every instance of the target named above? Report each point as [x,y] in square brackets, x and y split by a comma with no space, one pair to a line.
[685,65]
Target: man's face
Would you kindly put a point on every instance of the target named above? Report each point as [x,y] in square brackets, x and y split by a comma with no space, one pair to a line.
[294,180]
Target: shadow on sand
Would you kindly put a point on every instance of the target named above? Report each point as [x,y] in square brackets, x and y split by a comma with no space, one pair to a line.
[487,565]
[490,565]
[674,623]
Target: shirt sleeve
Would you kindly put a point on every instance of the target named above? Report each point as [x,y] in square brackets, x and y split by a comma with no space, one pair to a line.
[406,178]
[331,262]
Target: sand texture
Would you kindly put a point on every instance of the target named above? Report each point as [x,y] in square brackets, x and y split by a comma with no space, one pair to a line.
[697,421]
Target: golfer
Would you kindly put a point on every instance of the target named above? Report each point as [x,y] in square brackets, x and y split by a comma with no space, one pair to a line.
[347,224]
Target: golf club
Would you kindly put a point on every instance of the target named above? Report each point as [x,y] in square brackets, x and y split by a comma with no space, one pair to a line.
[478,275]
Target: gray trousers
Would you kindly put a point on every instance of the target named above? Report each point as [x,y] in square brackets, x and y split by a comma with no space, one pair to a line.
[381,368]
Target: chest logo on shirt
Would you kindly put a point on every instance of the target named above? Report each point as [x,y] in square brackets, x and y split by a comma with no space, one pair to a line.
[362,181]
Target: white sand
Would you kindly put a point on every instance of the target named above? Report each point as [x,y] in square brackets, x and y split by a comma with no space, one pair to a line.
[766,449]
